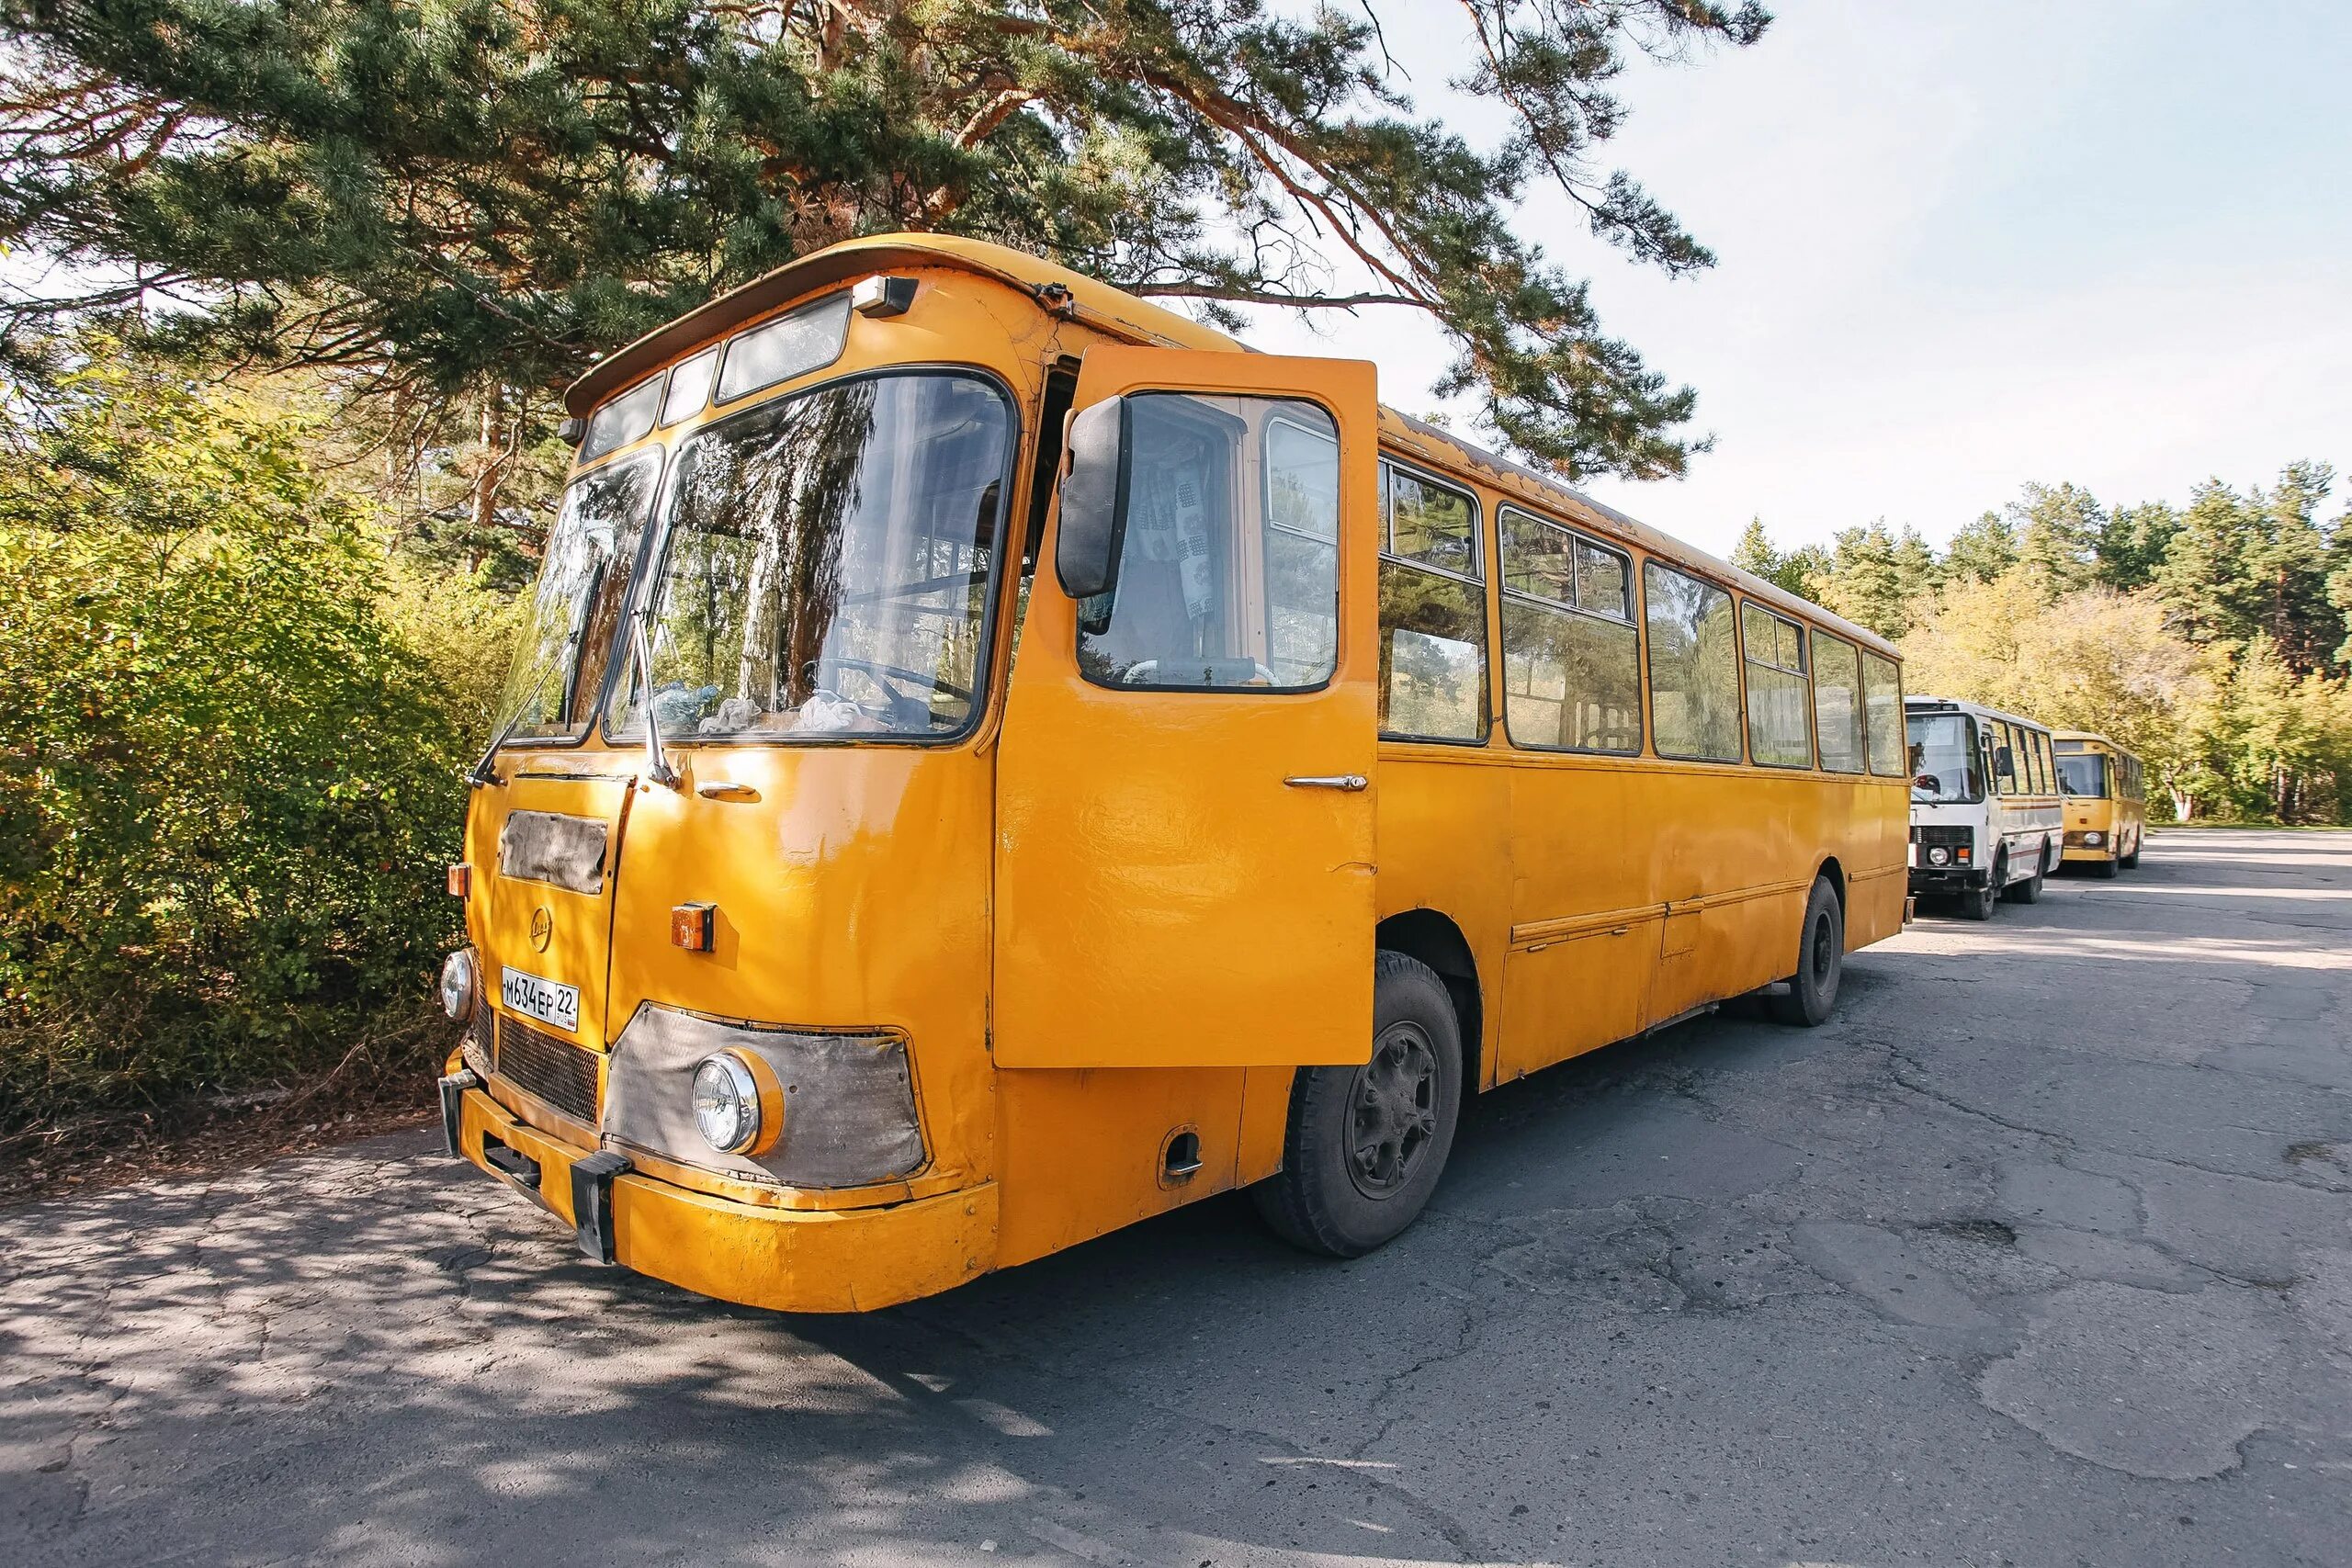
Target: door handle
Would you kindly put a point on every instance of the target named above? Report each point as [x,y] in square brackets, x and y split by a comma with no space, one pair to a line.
[726,792]
[1349,782]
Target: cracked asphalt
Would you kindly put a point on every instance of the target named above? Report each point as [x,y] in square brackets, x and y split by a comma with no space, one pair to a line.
[2040,1253]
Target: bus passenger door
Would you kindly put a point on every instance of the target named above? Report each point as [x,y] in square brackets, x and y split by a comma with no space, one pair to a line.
[1185,821]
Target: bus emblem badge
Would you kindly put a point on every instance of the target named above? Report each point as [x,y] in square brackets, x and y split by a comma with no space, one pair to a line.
[542,928]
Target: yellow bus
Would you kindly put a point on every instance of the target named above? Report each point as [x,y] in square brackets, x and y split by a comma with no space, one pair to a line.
[993,761]
[2105,790]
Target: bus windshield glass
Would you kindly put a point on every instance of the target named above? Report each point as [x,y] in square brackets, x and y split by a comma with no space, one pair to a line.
[1945,765]
[2083,773]
[827,568]
[592,550]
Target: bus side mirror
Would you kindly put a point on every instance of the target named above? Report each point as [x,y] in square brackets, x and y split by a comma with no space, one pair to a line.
[2004,763]
[1094,500]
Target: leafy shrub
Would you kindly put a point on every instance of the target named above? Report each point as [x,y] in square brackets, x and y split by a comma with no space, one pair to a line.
[228,781]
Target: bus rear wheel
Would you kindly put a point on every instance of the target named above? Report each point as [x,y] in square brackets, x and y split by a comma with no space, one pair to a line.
[1820,961]
[1366,1145]
[2028,891]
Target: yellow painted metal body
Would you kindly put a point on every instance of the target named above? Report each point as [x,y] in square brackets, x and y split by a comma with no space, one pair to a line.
[1098,919]
[2119,817]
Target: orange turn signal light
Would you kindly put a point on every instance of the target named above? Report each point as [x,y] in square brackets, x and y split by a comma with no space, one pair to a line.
[693,926]
[462,880]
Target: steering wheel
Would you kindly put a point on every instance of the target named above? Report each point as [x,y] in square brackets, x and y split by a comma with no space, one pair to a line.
[1144,670]
[889,672]
[1930,783]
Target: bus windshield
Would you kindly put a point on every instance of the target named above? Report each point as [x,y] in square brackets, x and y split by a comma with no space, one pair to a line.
[2083,773]
[827,563]
[1945,765]
[583,582]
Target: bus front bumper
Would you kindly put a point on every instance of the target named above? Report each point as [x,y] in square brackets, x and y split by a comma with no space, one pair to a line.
[1946,882]
[2075,850]
[787,1260]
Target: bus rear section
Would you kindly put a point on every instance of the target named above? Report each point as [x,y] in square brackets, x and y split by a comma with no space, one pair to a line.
[2106,817]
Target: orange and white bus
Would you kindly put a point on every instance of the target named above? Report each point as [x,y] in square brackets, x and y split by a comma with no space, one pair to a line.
[992,761]
[2105,793]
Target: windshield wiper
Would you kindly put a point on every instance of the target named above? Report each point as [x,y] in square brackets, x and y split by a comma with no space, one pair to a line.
[657,765]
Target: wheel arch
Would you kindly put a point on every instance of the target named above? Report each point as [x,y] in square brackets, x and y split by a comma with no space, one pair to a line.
[1431,937]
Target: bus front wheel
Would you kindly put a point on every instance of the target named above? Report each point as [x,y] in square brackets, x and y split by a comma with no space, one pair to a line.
[1364,1145]
[1978,903]
[1820,961]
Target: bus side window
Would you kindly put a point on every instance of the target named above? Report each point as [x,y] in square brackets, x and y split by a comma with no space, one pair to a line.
[1230,562]
[2041,783]
[1838,703]
[1779,726]
[1432,612]
[1883,695]
[2005,758]
[1572,679]
[1695,666]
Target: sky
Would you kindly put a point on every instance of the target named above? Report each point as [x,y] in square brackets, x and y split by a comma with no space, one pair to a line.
[1963,247]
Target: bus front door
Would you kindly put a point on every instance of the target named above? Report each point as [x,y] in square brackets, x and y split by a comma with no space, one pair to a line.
[1185,857]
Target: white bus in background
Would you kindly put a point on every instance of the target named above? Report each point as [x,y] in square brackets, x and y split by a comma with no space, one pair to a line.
[1985,815]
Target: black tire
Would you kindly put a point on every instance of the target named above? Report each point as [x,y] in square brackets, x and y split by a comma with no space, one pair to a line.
[2105,869]
[2131,861]
[2029,889]
[1366,1145]
[1979,903]
[1820,961]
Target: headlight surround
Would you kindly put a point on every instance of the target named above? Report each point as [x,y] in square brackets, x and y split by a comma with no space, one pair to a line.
[726,1102]
[457,984]
[1939,855]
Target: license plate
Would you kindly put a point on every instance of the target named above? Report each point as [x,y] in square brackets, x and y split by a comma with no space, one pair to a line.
[542,1000]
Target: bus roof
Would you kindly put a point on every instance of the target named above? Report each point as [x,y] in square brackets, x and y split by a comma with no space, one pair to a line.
[2088,737]
[1058,289]
[1961,705]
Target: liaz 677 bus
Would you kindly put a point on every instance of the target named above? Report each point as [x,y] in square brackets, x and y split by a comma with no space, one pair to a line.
[992,761]
[2105,792]
[1984,818]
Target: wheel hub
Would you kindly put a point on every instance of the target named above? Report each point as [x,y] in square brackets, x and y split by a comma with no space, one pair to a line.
[1391,1111]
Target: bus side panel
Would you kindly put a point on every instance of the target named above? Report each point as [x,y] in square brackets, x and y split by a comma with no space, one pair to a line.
[1877,861]
[1722,848]
[1083,1151]
[1444,838]
[1583,911]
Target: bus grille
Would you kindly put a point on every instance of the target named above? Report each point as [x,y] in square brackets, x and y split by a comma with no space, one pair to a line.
[476,1046]
[556,1070]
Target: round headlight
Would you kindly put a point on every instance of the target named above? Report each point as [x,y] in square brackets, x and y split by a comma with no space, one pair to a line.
[457,984]
[726,1103]
[2092,840]
[1939,857]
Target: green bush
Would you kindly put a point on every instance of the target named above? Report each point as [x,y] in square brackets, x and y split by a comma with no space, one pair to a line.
[229,782]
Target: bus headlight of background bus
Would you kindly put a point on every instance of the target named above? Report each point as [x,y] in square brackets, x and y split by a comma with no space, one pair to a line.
[2092,839]
[793,1107]
[457,983]
[726,1103]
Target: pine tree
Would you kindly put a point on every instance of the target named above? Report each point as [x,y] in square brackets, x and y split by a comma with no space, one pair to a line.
[2058,530]
[2132,546]
[462,195]
[1981,551]
[1866,583]
[2206,579]
[2288,569]
[1921,575]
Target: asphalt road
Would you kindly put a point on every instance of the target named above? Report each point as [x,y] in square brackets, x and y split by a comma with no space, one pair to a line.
[2040,1253]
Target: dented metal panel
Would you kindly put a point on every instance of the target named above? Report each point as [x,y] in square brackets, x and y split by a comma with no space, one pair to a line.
[563,851]
[849,1102]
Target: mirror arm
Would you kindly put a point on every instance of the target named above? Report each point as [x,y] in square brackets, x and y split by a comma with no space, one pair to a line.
[656,761]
